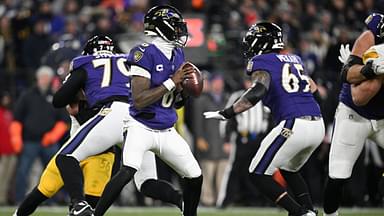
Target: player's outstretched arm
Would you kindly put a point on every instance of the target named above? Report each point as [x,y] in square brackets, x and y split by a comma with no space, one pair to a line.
[364,92]
[355,71]
[261,81]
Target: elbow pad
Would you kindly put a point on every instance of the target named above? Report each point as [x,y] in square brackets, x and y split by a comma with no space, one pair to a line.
[255,93]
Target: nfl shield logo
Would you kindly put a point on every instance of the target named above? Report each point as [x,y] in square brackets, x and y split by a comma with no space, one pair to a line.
[137,56]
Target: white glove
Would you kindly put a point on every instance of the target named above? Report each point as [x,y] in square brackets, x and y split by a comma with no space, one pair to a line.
[344,53]
[214,115]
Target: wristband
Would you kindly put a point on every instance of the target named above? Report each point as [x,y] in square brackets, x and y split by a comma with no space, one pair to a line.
[228,112]
[169,84]
[367,71]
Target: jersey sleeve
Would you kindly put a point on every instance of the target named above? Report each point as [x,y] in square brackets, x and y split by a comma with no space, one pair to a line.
[141,57]
[67,93]
[258,63]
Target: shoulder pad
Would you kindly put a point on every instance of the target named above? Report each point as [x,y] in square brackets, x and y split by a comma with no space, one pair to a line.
[80,61]
[137,52]
[259,62]
[374,23]
[141,56]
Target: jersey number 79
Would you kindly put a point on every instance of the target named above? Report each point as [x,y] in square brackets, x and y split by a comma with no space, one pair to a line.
[106,63]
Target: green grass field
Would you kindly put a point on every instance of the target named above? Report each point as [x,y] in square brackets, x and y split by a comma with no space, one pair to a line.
[164,211]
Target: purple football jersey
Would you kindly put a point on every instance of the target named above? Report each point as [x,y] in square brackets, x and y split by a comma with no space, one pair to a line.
[161,114]
[107,77]
[373,110]
[289,94]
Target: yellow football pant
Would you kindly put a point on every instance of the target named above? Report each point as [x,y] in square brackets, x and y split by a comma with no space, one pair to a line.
[97,171]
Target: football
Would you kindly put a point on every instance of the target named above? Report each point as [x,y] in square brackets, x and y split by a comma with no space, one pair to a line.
[193,86]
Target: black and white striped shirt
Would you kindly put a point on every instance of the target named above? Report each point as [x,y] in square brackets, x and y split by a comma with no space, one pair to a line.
[253,121]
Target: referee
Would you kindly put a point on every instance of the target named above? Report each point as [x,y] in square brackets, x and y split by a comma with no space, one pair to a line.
[246,131]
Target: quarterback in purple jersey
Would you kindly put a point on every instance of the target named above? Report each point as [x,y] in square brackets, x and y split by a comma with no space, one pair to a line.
[103,77]
[279,81]
[156,74]
[360,113]
[148,57]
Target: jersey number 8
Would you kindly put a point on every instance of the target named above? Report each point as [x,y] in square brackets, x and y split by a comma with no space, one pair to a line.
[291,81]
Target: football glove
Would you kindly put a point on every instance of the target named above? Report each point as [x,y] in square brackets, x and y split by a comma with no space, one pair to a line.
[378,66]
[344,53]
[214,115]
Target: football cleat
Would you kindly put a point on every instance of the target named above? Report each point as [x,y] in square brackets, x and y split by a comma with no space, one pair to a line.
[310,213]
[305,213]
[81,208]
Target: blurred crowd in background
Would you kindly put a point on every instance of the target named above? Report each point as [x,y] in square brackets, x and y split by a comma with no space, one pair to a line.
[38,35]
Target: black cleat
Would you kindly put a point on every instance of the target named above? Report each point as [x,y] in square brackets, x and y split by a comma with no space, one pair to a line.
[81,208]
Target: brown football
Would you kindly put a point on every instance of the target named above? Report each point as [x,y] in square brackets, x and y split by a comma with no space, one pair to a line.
[193,86]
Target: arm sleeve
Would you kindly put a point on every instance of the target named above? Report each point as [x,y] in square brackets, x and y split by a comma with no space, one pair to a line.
[70,88]
[139,71]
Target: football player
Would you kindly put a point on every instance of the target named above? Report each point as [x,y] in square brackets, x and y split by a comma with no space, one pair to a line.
[96,176]
[103,77]
[279,81]
[360,112]
[157,72]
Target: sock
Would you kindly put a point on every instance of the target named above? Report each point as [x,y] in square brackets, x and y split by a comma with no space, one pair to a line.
[332,194]
[31,202]
[191,195]
[276,193]
[113,189]
[161,190]
[300,189]
[117,160]
[72,176]
[92,200]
